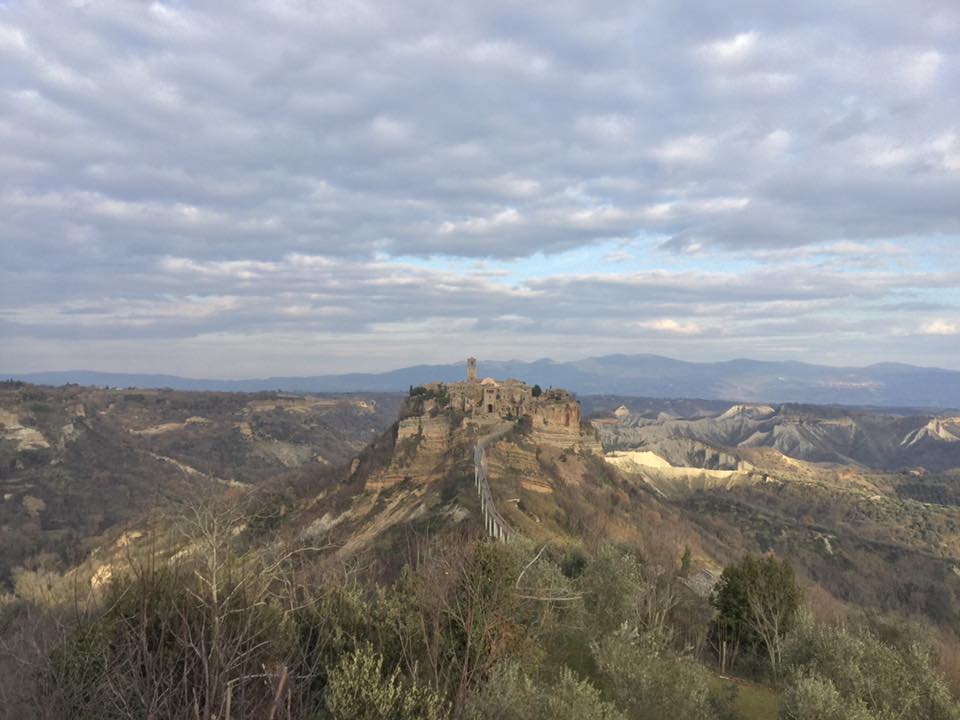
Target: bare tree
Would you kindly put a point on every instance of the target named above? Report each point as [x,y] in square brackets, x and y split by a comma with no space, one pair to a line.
[462,619]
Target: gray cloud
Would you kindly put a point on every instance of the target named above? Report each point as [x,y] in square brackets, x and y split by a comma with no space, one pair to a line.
[174,173]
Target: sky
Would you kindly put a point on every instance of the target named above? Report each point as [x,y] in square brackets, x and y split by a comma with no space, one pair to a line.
[238,189]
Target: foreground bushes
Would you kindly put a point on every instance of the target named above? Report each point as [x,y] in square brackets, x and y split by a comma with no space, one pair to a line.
[816,698]
[471,629]
[171,639]
[651,680]
[511,694]
[360,690]
[848,672]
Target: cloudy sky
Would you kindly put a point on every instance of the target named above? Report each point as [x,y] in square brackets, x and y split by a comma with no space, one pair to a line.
[235,189]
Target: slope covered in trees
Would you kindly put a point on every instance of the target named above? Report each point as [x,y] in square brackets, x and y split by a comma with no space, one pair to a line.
[469,628]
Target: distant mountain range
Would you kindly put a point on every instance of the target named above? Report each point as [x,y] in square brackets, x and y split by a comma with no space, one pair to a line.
[882,385]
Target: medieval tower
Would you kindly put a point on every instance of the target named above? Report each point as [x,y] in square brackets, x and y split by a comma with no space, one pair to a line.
[471,369]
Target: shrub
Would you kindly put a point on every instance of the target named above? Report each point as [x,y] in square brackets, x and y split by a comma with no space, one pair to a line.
[810,697]
[360,690]
[169,640]
[612,581]
[511,694]
[327,626]
[890,681]
[649,680]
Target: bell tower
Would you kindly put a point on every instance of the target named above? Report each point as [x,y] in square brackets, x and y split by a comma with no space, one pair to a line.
[471,369]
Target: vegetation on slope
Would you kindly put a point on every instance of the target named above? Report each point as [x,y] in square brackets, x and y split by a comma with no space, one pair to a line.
[227,628]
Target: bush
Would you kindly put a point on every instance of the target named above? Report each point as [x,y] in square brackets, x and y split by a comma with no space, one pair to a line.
[649,680]
[169,640]
[810,697]
[889,681]
[328,626]
[360,690]
[512,695]
[611,581]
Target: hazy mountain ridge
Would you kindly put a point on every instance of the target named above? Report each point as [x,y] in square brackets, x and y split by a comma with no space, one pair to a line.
[885,384]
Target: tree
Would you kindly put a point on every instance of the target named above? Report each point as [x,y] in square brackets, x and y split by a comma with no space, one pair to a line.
[612,582]
[890,680]
[537,391]
[459,616]
[756,602]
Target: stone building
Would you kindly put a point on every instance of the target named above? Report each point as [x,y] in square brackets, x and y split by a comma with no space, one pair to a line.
[423,438]
[512,399]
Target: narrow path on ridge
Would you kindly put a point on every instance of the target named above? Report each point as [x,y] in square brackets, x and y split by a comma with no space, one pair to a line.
[496,526]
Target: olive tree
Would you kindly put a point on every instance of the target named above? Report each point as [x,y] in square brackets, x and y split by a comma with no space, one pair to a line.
[811,697]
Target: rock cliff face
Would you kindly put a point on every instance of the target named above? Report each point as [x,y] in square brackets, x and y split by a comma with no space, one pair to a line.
[421,447]
[556,421]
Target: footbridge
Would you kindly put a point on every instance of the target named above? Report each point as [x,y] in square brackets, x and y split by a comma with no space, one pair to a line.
[496,526]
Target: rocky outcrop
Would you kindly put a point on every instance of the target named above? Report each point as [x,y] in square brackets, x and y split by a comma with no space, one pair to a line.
[672,481]
[26,438]
[419,453]
[556,421]
[942,429]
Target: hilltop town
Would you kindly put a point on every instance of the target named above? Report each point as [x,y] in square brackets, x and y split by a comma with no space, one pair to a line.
[436,412]
[489,400]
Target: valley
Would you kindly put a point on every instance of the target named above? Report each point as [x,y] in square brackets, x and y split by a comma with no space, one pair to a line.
[863,505]
[77,462]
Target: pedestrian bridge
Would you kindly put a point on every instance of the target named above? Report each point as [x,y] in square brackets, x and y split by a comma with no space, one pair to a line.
[496,526]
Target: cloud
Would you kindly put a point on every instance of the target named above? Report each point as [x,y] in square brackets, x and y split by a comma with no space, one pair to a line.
[688,149]
[940,327]
[733,50]
[172,173]
[668,325]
